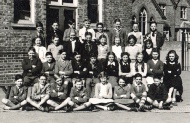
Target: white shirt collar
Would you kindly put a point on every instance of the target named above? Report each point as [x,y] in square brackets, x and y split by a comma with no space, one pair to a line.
[111,63]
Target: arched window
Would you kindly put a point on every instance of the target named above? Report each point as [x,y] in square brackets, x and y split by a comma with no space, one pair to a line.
[143,21]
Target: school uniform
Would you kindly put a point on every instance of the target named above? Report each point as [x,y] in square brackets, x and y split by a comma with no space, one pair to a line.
[73,46]
[117,50]
[173,79]
[118,91]
[147,55]
[55,89]
[67,32]
[102,52]
[123,69]
[112,70]
[49,67]
[55,50]
[30,74]
[82,94]
[41,52]
[93,70]
[78,67]
[132,50]
[20,92]
[118,33]
[157,66]
[37,91]
[158,92]
[82,32]
[88,48]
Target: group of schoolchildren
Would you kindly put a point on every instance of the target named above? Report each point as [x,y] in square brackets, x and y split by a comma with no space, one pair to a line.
[90,70]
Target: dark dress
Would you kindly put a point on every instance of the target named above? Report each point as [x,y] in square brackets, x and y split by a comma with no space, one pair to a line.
[146,56]
[173,79]
[78,67]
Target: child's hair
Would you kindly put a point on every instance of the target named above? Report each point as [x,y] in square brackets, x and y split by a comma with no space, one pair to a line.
[62,50]
[117,20]
[71,21]
[32,49]
[176,56]
[87,20]
[102,36]
[110,53]
[18,76]
[55,22]
[148,41]
[135,23]
[121,77]
[153,22]
[125,53]
[132,37]
[136,63]
[138,75]
[93,55]
[157,77]
[42,74]
[100,24]
[88,33]
[76,53]
[78,80]
[55,36]
[103,74]
[49,53]
[39,24]
[155,50]
[34,39]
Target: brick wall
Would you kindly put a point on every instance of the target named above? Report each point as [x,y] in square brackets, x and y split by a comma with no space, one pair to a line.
[14,42]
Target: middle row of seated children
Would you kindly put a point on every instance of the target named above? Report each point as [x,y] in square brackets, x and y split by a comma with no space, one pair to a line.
[54,96]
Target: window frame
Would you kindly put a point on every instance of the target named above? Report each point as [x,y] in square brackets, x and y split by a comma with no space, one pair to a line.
[61,3]
[183,12]
[163,8]
[143,28]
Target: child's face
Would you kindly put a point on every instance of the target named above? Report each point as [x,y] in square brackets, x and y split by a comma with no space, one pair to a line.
[72,25]
[49,58]
[148,45]
[157,81]
[87,24]
[63,55]
[125,58]
[140,58]
[31,54]
[38,42]
[59,81]
[55,26]
[132,42]
[79,85]
[155,55]
[42,80]
[103,41]
[135,27]
[138,80]
[153,27]
[19,82]
[171,57]
[117,25]
[88,37]
[39,29]
[121,82]
[100,28]
[78,57]
[103,80]
[117,41]
[72,36]
[56,41]
[93,59]
[111,58]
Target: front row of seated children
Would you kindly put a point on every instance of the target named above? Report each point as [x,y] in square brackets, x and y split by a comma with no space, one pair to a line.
[54,96]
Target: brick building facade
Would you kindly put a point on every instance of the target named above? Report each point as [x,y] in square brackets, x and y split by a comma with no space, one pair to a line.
[18,18]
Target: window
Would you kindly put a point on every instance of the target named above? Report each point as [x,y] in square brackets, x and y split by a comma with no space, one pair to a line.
[134,19]
[24,11]
[68,3]
[163,8]
[143,21]
[93,11]
[183,12]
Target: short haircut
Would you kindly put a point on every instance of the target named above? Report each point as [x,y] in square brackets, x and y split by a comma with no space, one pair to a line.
[18,76]
[100,24]
[76,53]
[87,20]
[132,37]
[117,20]
[39,24]
[31,49]
[62,50]
[103,74]
[153,22]
[42,74]
[138,75]
[55,22]
[93,55]
[49,53]
[157,77]
[88,33]
[135,23]
[102,36]
[78,80]
[71,21]
[155,50]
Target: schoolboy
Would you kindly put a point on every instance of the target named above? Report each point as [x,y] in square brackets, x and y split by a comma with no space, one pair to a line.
[40,93]
[58,94]
[138,91]
[79,96]
[158,94]
[17,97]
[85,29]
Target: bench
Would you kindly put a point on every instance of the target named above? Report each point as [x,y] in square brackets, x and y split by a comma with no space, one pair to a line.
[6,87]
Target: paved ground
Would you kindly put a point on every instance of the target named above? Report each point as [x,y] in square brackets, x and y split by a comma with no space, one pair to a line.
[102,116]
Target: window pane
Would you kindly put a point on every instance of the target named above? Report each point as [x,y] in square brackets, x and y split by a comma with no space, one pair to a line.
[93,10]
[68,1]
